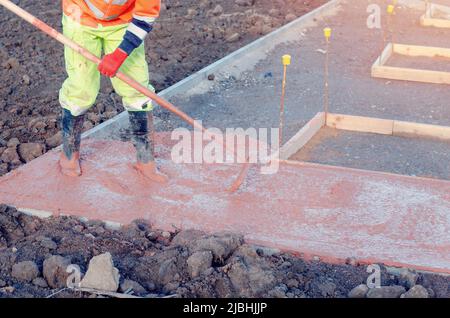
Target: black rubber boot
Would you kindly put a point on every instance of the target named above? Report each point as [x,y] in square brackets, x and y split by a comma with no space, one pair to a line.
[141,131]
[72,128]
[69,161]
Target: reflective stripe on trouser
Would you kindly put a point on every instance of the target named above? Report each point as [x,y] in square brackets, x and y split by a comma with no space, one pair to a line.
[80,89]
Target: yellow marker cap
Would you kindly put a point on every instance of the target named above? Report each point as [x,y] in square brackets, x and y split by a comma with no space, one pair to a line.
[286,59]
[327,32]
[390,9]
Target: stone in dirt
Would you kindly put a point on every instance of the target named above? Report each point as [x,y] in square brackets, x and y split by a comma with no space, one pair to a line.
[406,277]
[359,291]
[386,292]
[47,242]
[162,268]
[54,140]
[13,143]
[221,245]
[327,289]
[129,284]
[417,291]
[249,274]
[54,271]
[30,151]
[10,226]
[101,274]
[199,262]
[184,238]
[25,271]
[10,155]
[3,168]
[40,282]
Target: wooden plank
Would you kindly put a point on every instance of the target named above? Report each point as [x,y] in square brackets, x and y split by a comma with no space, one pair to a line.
[303,136]
[385,55]
[409,74]
[380,70]
[417,50]
[360,124]
[428,18]
[402,128]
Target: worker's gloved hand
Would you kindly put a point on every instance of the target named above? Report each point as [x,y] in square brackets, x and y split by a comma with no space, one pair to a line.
[111,63]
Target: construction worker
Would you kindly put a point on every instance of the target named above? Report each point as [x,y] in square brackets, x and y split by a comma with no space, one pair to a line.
[117,28]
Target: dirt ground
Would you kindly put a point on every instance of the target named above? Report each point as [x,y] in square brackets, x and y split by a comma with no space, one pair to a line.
[188,36]
[160,264]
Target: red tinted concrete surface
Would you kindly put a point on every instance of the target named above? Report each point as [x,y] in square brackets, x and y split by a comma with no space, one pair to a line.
[331,212]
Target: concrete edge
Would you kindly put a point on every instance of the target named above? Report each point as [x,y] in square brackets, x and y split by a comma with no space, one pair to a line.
[362,124]
[238,61]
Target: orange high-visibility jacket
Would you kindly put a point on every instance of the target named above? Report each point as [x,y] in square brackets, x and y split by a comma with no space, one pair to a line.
[111,12]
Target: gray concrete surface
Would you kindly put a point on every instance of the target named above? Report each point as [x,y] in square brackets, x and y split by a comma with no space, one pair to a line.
[409,156]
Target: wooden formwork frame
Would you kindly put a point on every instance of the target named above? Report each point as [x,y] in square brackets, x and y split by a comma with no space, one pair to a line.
[428,18]
[381,70]
[361,124]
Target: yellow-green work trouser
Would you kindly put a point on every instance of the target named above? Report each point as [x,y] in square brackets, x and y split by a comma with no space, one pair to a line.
[82,85]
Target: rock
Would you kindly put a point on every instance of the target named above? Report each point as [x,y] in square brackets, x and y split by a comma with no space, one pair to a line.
[431,293]
[327,289]
[199,262]
[54,271]
[408,278]
[218,10]
[184,238]
[221,245]
[277,292]
[11,63]
[26,80]
[25,271]
[55,140]
[170,287]
[2,283]
[417,291]
[3,168]
[30,151]
[233,38]
[87,125]
[47,242]
[129,284]
[290,17]
[10,155]
[405,276]
[40,282]
[359,291]
[292,283]
[386,292]
[13,142]
[251,280]
[101,274]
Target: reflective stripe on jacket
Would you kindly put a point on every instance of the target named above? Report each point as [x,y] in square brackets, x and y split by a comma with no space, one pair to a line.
[111,12]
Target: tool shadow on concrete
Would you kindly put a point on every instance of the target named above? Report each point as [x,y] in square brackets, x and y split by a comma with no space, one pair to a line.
[311,209]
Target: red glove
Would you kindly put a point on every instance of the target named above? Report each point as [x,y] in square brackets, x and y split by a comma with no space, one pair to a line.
[111,63]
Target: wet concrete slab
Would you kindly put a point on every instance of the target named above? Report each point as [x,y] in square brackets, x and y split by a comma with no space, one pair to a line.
[311,209]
